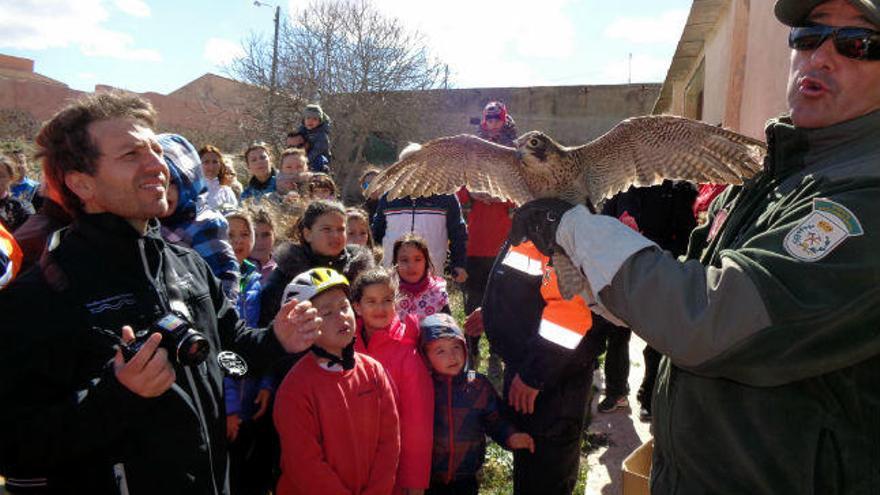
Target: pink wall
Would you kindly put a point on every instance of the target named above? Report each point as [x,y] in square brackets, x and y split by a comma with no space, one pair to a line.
[766,70]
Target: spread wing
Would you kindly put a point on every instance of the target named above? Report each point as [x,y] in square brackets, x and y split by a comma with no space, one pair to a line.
[446,164]
[643,151]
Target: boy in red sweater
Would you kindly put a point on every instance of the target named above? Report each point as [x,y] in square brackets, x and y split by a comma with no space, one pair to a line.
[335,411]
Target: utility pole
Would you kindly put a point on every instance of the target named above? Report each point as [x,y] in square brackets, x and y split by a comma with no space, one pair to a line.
[446,76]
[629,76]
[273,81]
[275,49]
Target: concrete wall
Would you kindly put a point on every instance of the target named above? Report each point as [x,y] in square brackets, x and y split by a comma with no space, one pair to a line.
[212,105]
[746,59]
[43,100]
[716,54]
[39,99]
[570,114]
[767,68]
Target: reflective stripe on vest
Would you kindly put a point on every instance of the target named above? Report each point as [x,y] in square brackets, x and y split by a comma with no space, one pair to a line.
[563,322]
[10,257]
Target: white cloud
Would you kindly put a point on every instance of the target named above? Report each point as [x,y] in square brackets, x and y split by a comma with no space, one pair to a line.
[136,8]
[487,43]
[645,69]
[42,24]
[87,76]
[665,28]
[219,51]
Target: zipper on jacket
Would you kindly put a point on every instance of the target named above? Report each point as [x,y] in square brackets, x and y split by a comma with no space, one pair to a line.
[450,473]
[412,216]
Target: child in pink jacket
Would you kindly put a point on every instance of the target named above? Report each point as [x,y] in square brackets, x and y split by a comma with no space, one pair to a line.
[394,343]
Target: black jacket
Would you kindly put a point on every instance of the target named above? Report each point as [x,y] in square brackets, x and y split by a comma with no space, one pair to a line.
[292,259]
[65,416]
[512,309]
[663,212]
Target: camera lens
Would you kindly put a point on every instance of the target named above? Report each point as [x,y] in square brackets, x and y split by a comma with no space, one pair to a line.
[193,349]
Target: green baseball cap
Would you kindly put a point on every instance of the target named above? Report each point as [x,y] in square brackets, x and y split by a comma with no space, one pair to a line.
[795,12]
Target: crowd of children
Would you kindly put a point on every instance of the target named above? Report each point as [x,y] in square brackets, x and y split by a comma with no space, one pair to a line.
[387,400]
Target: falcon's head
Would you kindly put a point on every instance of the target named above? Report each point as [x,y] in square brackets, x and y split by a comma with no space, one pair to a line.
[538,152]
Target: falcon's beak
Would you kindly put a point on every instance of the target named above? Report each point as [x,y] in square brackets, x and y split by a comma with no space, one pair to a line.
[519,155]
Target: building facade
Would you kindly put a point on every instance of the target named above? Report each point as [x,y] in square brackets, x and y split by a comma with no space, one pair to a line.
[730,66]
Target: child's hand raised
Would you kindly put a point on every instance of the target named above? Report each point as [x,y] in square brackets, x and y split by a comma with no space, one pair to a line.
[521,441]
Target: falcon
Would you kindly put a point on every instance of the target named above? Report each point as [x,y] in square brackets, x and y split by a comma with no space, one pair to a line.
[640,151]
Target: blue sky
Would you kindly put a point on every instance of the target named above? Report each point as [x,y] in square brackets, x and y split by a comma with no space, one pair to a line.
[160,45]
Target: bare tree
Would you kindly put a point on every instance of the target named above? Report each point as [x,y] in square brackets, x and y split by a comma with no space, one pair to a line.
[359,64]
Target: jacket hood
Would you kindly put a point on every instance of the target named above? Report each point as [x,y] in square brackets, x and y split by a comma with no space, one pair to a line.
[315,110]
[185,168]
[441,326]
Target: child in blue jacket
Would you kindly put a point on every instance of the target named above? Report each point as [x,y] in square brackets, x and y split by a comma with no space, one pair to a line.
[316,131]
[252,450]
[466,409]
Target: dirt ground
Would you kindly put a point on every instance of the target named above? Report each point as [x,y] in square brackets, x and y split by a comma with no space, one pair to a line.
[622,428]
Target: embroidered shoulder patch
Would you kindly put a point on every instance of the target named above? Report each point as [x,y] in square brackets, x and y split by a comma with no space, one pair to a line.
[820,232]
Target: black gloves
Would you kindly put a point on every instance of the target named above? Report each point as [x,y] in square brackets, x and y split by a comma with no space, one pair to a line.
[537,221]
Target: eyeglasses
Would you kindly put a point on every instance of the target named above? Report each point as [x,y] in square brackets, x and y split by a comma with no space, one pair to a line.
[492,117]
[852,42]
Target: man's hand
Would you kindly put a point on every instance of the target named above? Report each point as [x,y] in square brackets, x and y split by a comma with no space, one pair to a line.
[521,397]
[232,424]
[262,401]
[459,274]
[521,441]
[149,373]
[537,221]
[297,325]
[473,324]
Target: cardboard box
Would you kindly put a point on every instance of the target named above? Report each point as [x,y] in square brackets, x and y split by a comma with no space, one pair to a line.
[637,470]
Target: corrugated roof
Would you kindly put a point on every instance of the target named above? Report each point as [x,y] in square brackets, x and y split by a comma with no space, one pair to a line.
[701,21]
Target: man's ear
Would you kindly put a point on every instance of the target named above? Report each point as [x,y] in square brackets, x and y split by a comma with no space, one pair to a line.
[82,184]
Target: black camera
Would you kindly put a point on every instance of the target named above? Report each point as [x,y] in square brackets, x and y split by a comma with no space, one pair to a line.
[185,345]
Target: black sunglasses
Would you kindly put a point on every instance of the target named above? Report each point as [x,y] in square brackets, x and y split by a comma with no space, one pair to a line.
[852,42]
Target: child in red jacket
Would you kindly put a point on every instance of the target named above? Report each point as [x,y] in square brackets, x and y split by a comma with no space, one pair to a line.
[335,411]
[382,335]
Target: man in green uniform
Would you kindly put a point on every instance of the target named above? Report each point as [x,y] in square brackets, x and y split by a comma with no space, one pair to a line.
[772,324]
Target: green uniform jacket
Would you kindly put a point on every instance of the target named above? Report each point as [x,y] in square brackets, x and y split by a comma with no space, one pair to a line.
[772,326]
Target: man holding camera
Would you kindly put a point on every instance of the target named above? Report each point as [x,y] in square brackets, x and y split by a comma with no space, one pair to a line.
[770,328]
[80,415]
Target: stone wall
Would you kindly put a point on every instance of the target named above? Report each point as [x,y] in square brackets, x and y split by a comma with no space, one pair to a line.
[570,114]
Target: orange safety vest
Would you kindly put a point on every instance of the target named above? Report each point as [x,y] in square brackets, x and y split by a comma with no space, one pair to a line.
[10,257]
[563,322]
